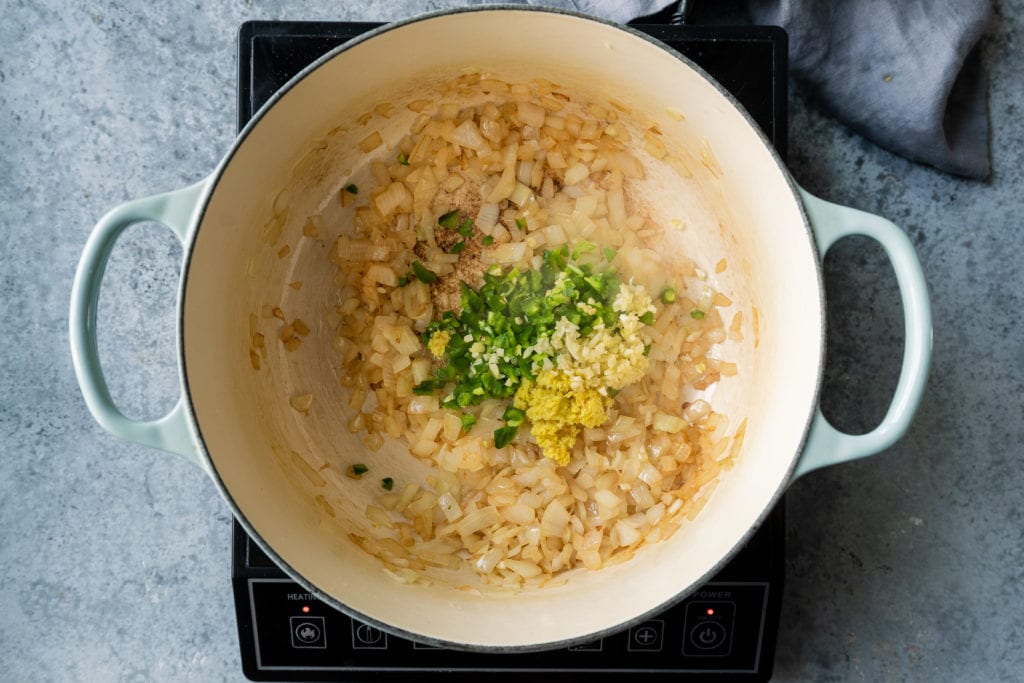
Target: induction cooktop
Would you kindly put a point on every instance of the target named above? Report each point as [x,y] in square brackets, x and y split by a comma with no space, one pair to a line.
[724,631]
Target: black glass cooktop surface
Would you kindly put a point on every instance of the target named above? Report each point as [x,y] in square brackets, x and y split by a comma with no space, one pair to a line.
[725,631]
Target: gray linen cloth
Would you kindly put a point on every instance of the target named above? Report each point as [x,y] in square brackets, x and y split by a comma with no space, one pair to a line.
[906,74]
[903,73]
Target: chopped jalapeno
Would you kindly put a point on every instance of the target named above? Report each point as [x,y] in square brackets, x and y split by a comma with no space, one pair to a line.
[513,416]
[449,220]
[423,274]
[510,312]
[503,436]
[582,247]
[427,387]
[697,314]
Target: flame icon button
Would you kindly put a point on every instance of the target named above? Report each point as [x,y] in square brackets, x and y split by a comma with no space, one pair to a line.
[308,632]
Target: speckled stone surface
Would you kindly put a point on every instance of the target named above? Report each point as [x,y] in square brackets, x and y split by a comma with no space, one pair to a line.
[114,559]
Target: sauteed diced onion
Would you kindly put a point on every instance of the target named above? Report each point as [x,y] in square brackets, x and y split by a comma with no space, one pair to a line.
[528,168]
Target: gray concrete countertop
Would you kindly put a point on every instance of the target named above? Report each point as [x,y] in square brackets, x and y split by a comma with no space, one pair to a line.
[114,559]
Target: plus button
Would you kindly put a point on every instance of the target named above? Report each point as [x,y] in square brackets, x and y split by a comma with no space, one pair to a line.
[647,637]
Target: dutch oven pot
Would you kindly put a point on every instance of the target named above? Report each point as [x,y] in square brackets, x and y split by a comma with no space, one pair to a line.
[236,424]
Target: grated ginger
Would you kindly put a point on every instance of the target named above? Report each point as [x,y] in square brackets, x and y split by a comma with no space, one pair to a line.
[556,411]
[439,342]
[575,392]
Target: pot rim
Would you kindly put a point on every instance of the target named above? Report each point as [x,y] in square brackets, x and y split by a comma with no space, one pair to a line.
[189,244]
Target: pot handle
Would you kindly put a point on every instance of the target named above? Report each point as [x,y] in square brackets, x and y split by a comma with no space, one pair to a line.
[170,432]
[825,444]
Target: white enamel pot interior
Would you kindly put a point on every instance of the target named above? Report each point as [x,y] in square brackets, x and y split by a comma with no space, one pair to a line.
[748,214]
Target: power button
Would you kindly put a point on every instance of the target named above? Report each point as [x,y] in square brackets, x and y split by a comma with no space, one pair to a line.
[707,636]
[708,629]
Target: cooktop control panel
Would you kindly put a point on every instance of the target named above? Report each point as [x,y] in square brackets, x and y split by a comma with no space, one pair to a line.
[719,629]
[725,631]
